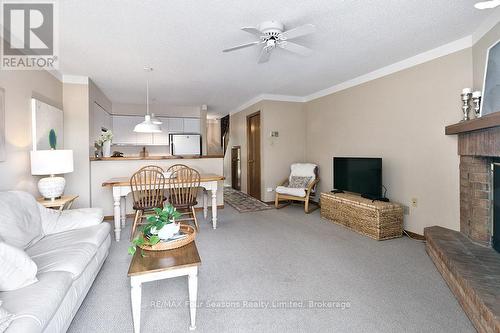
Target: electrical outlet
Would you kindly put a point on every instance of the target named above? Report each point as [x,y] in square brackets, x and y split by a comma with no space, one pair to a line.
[270,189]
[414,202]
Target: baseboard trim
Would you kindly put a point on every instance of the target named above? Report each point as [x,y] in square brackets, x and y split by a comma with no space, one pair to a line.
[414,235]
[110,218]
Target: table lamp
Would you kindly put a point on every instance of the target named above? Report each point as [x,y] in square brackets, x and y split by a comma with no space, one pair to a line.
[51,162]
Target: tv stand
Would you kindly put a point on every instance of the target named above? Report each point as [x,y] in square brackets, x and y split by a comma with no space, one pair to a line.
[373,198]
[375,219]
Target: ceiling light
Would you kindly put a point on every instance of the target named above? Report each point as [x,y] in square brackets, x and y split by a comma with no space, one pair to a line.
[487,4]
[147,126]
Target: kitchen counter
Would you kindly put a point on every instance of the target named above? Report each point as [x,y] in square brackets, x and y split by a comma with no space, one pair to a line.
[113,167]
[153,158]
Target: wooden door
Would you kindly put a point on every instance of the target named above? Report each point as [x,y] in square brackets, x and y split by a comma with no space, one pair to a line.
[236,168]
[253,168]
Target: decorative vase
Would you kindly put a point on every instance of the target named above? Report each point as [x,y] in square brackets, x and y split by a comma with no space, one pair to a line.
[168,230]
[106,149]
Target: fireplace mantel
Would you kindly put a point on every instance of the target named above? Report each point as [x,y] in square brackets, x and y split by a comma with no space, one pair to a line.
[488,121]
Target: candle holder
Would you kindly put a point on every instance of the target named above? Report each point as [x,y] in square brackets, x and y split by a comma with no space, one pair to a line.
[476,100]
[466,97]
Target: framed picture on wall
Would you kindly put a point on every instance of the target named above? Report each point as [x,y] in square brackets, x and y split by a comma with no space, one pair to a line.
[45,117]
[491,87]
[2,125]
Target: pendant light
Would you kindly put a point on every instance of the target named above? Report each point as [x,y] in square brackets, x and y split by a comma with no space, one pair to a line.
[155,120]
[147,126]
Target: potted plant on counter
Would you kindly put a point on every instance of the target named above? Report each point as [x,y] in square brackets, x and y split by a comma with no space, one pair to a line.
[104,141]
[160,226]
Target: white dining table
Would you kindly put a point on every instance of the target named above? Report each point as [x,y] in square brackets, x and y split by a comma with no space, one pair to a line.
[121,188]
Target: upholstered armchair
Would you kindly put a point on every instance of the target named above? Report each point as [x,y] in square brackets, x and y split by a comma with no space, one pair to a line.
[299,186]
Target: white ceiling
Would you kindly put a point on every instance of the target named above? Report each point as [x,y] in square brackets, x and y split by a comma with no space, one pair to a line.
[110,41]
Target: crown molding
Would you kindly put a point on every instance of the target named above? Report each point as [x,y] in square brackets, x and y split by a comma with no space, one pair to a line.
[268,97]
[455,46]
[418,59]
[488,24]
[75,79]
[56,73]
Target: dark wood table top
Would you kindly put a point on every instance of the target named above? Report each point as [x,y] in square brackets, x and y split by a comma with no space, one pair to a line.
[157,261]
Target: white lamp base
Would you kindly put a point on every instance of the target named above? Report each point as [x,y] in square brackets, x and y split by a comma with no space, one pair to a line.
[51,187]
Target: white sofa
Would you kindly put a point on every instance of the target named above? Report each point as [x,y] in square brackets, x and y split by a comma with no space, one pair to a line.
[68,247]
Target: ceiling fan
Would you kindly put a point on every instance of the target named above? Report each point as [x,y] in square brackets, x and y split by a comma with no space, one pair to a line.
[272,35]
[487,4]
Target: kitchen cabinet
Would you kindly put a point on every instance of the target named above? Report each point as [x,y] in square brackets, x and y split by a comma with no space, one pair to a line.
[175,125]
[123,130]
[191,125]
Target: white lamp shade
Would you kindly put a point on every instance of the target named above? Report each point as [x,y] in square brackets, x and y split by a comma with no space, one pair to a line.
[147,126]
[51,162]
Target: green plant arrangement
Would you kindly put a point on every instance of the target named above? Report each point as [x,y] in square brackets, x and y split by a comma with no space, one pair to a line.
[148,233]
[104,137]
[52,139]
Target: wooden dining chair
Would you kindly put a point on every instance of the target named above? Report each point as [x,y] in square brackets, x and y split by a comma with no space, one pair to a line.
[148,192]
[182,190]
[176,167]
[153,167]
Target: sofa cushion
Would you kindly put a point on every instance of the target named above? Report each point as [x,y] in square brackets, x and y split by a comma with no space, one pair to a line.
[21,225]
[94,235]
[296,192]
[71,258]
[54,221]
[34,305]
[17,270]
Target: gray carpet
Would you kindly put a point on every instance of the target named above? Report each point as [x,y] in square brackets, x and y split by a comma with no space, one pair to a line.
[278,256]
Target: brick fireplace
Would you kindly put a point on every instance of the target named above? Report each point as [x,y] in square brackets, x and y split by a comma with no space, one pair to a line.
[477,150]
[466,259]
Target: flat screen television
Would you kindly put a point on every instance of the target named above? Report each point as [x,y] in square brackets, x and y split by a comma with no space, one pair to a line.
[361,175]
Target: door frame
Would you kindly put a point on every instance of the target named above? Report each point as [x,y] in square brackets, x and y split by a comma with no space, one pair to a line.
[260,150]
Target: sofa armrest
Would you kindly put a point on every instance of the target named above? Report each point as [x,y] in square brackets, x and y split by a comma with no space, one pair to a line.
[54,221]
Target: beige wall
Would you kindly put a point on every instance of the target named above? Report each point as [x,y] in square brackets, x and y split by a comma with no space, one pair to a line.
[76,136]
[78,103]
[479,51]
[401,118]
[278,153]
[20,87]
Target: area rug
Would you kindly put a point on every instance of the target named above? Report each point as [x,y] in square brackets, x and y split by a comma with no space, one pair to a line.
[242,202]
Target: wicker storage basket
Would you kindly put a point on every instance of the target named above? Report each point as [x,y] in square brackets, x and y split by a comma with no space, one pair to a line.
[378,220]
[162,246]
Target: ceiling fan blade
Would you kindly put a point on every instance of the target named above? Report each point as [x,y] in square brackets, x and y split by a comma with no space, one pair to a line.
[295,48]
[299,31]
[241,46]
[253,31]
[265,54]
[487,4]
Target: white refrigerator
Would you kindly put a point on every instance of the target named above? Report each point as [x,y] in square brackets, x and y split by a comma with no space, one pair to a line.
[185,144]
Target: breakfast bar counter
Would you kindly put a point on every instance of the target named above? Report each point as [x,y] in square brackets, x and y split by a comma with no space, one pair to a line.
[104,189]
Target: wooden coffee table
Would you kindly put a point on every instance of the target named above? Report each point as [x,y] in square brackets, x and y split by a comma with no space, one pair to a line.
[159,265]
